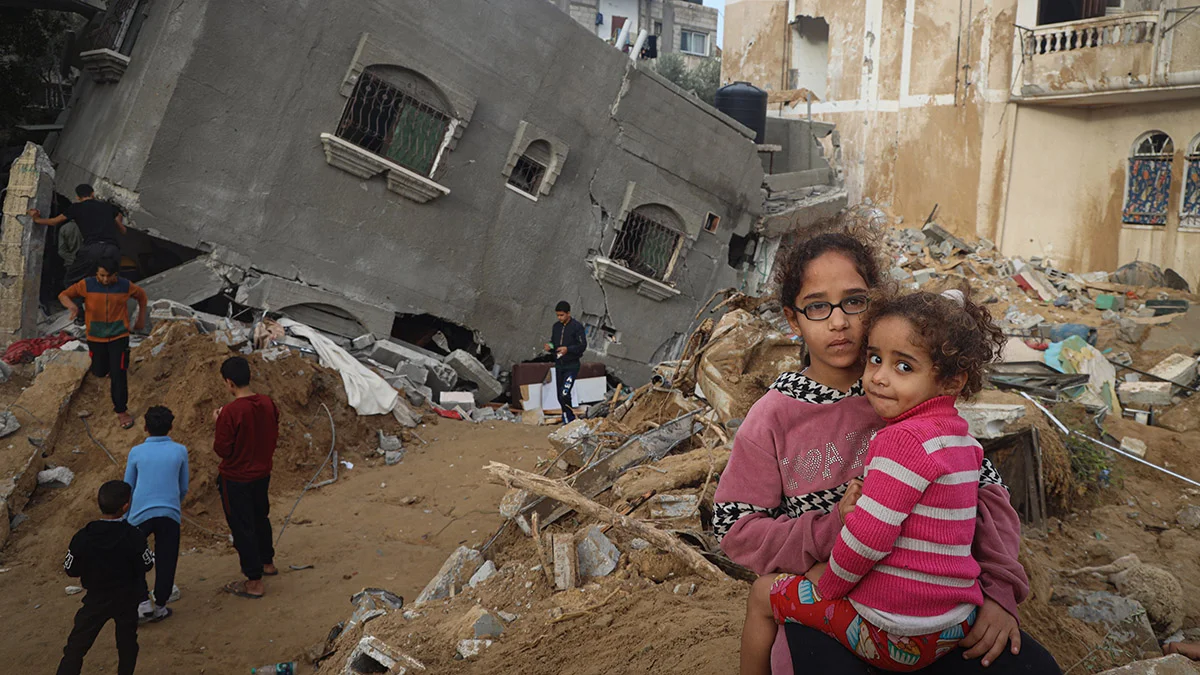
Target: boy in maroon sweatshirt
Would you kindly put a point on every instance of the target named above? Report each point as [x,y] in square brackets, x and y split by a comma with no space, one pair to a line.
[246,434]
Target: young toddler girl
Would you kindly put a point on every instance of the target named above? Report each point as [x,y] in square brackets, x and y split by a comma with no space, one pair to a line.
[901,588]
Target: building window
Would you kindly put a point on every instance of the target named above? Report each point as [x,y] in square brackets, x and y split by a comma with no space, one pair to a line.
[646,245]
[1149,180]
[530,170]
[711,222]
[402,121]
[658,28]
[618,22]
[1190,212]
[692,42]
[115,31]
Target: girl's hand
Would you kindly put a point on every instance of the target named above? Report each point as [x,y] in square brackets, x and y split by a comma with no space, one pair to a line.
[850,499]
[994,629]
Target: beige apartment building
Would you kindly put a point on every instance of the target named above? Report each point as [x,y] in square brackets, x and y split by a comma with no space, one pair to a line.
[1063,128]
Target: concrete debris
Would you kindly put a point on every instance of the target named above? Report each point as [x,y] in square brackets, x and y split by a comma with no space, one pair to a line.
[372,655]
[674,506]
[1151,588]
[392,354]
[565,554]
[455,572]
[393,457]
[1177,368]
[457,399]
[469,368]
[59,476]
[989,420]
[388,443]
[5,372]
[1131,331]
[485,572]
[1124,619]
[1156,394]
[362,342]
[1189,517]
[639,544]
[488,626]
[1133,446]
[8,423]
[471,648]
[1175,664]
[405,415]
[596,555]
[377,598]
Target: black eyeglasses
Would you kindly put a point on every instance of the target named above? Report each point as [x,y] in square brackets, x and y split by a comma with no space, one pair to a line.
[819,311]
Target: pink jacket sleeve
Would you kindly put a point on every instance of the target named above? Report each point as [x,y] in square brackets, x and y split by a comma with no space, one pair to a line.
[996,547]
[760,536]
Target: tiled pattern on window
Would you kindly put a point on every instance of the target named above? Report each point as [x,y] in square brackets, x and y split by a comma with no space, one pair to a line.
[1149,189]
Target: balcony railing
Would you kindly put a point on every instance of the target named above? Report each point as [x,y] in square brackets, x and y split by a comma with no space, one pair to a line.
[1105,54]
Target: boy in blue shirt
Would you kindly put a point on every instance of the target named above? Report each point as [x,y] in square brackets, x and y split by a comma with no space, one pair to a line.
[158,471]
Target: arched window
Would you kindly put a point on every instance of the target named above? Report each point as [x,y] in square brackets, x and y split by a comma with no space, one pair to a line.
[398,114]
[649,241]
[1149,179]
[530,170]
[1190,211]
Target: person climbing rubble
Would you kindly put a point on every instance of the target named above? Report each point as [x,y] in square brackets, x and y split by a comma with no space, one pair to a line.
[105,297]
[99,224]
[568,341]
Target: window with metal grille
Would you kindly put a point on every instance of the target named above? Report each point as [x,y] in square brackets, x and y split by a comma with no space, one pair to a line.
[646,246]
[1191,188]
[114,27]
[692,42]
[530,168]
[391,123]
[1149,181]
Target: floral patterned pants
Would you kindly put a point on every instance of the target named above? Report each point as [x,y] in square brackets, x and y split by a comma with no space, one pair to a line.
[794,599]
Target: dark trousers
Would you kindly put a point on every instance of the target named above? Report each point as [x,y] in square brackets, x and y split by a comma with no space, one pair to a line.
[816,652]
[565,379]
[166,556]
[98,608]
[88,257]
[111,360]
[248,510]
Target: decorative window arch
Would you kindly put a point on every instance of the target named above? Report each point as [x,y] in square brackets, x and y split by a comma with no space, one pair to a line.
[400,115]
[649,241]
[1149,179]
[530,169]
[534,161]
[1190,209]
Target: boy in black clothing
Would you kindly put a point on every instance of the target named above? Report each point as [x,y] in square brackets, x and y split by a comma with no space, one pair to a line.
[568,341]
[111,558]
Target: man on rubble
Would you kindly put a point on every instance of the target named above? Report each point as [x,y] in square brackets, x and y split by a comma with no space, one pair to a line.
[567,342]
[99,225]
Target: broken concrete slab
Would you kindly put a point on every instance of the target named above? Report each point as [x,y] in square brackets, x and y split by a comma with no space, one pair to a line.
[470,369]
[596,556]
[372,655]
[485,572]
[487,626]
[1034,281]
[470,648]
[415,372]
[1145,393]
[42,403]
[575,441]
[1182,332]
[1177,368]
[277,294]
[566,565]
[192,282]
[1131,331]
[362,342]
[936,234]
[22,243]
[1133,446]
[1175,664]
[674,506]
[457,399]
[377,598]
[388,442]
[1125,619]
[9,424]
[1189,517]
[393,457]
[456,571]
[990,420]
[392,354]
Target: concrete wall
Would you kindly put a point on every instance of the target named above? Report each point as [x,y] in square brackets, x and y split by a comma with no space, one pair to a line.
[1074,216]
[214,139]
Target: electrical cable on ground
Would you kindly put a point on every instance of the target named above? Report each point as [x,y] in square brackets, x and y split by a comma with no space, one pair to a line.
[332,449]
[88,427]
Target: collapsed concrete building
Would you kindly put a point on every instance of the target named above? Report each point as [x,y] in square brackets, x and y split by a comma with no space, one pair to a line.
[448,162]
[1073,134]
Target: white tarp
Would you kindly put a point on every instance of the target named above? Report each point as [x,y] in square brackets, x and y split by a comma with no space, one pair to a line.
[367,392]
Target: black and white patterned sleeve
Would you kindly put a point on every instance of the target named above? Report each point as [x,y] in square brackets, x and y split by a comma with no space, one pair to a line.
[988,475]
[725,514]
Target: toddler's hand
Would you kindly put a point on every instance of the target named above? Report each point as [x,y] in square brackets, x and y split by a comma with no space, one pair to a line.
[850,499]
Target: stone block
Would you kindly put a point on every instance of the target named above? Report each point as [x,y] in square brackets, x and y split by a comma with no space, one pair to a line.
[392,355]
[575,441]
[596,556]
[362,341]
[457,399]
[415,372]
[921,276]
[1145,393]
[470,648]
[59,476]
[469,368]
[1133,446]
[456,571]
[488,626]
[1178,368]
[566,571]
[1131,331]
[485,572]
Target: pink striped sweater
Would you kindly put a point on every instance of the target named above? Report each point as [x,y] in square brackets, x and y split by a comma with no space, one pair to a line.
[906,548]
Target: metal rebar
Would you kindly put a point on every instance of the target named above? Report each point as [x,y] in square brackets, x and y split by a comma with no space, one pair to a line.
[89,433]
[332,453]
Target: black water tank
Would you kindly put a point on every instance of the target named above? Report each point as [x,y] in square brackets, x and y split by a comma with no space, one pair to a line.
[745,103]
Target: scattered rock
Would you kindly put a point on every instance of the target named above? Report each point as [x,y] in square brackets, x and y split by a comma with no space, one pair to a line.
[488,626]
[456,571]
[597,555]
[1125,619]
[507,617]
[1189,517]
[74,590]
[59,476]
[639,544]
[1133,446]
[393,457]
[388,443]
[8,423]
[604,621]
[372,655]
[1175,664]
[377,597]
[486,571]
[471,648]
[1131,331]
[1158,591]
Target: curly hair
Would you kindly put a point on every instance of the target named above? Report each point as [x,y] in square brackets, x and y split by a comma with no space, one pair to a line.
[959,338]
[858,247]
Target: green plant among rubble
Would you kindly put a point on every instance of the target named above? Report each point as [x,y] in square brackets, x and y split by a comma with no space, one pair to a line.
[1091,465]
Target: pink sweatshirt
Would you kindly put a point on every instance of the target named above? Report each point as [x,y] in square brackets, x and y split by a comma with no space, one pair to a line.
[906,547]
[768,525]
